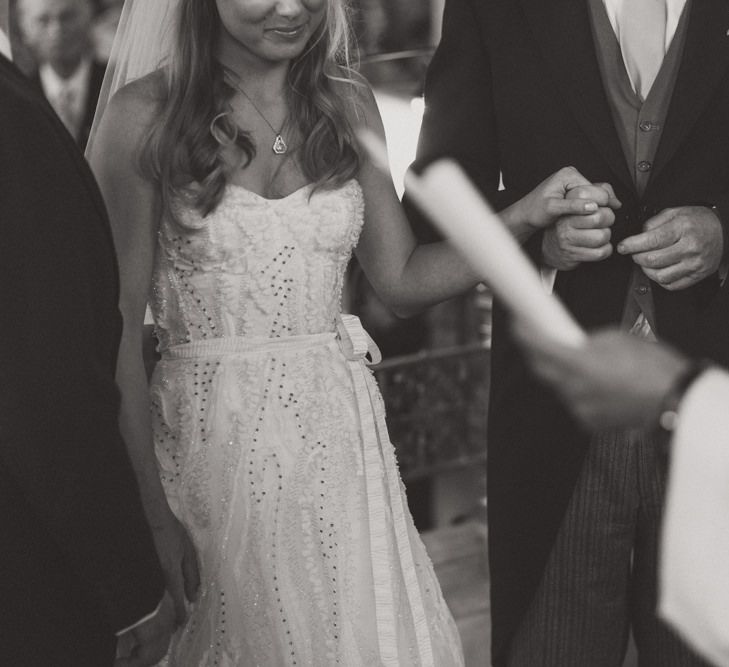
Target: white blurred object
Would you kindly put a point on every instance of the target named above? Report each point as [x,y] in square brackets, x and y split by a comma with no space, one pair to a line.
[694,562]
[402,118]
[463,216]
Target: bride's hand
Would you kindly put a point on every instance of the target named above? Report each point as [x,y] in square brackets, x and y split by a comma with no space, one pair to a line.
[575,239]
[179,562]
[549,201]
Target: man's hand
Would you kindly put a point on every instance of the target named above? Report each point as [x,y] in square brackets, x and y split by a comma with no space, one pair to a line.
[147,644]
[679,247]
[574,239]
[614,380]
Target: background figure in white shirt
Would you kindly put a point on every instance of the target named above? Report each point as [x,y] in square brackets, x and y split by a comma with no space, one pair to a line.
[59,34]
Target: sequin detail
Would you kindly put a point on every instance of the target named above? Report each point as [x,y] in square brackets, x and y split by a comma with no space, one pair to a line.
[260,436]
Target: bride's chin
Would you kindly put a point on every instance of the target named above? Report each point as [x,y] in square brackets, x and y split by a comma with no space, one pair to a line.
[280,50]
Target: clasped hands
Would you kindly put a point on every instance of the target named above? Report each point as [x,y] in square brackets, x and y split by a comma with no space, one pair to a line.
[677,248]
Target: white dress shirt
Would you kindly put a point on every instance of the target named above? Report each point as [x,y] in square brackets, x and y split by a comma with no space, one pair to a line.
[673,14]
[5,45]
[75,87]
[674,8]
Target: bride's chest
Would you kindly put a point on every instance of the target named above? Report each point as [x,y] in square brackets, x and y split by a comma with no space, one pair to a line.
[249,232]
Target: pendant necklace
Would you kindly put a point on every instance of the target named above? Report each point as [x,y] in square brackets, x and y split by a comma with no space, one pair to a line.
[279,145]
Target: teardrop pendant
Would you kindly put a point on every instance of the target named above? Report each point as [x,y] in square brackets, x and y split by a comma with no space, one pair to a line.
[279,146]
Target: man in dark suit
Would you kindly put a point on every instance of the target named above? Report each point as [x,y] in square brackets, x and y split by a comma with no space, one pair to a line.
[77,560]
[58,33]
[640,101]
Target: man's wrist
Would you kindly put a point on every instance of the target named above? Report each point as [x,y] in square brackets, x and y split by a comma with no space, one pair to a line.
[141,621]
[722,214]
[515,220]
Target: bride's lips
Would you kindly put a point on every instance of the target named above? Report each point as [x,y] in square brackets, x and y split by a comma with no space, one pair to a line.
[288,32]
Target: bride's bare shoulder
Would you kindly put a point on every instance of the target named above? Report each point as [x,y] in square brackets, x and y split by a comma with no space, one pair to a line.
[134,106]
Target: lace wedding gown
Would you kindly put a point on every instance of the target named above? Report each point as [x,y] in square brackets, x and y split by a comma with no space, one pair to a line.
[269,431]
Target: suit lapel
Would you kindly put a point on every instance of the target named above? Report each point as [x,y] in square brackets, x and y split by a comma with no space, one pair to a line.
[704,63]
[10,69]
[563,32]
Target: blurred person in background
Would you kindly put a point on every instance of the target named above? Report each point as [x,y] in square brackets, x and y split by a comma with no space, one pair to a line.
[105,25]
[59,34]
[22,57]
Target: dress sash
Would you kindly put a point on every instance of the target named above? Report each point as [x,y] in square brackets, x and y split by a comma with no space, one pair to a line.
[382,480]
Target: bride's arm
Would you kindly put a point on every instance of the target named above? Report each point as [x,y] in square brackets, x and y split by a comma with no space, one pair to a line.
[410,277]
[133,205]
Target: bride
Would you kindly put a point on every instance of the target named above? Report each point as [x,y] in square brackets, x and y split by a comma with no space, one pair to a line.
[237,193]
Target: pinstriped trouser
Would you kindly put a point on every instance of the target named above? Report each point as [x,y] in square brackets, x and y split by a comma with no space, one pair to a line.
[601,576]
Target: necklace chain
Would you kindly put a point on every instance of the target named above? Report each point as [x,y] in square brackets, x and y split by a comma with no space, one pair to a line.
[279,145]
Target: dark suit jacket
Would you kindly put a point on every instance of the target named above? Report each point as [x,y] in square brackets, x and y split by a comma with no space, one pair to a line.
[514,88]
[96,78]
[77,562]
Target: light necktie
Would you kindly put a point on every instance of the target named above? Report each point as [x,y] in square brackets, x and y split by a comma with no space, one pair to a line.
[642,37]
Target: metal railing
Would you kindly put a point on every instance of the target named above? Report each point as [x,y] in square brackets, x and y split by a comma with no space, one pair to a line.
[436,408]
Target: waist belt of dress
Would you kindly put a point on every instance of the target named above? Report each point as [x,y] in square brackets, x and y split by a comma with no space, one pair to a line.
[378,466]
[246,345]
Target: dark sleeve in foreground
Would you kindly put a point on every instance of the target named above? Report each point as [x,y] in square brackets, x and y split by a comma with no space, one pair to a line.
[59,333]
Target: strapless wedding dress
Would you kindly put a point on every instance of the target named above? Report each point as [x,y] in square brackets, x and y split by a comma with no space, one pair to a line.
[270,435]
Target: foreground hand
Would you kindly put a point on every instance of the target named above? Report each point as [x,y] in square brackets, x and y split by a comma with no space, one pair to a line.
[679,247]
[549,201]
[179,563]
[574,239]
[147,643]
[613,380]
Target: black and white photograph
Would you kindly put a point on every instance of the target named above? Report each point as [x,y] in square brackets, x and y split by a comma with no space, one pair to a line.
[364,333]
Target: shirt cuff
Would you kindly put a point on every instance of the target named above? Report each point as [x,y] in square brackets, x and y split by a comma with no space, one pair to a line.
[694,569]
[548,276]
[5,47]
[721,212]
[141,621]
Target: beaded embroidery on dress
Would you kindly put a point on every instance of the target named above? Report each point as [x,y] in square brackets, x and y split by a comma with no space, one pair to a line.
[269,432]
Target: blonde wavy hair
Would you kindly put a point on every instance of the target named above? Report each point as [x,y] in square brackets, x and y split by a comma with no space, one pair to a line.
[194,126]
